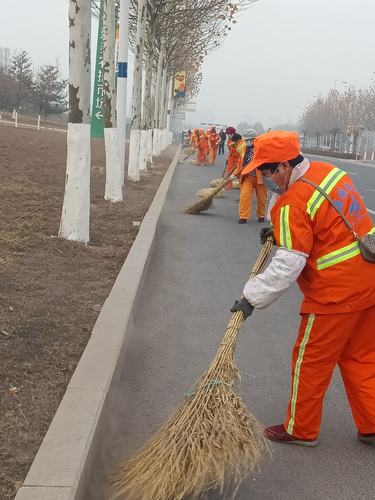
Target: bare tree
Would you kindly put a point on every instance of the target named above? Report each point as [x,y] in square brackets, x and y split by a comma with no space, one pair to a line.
[113,184]
[337,119]
[75,216]
[136,119]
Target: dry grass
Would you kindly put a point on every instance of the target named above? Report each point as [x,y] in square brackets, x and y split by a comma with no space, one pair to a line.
[212,442]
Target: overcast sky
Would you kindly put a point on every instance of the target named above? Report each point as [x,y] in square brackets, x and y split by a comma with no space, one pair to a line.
[279,56]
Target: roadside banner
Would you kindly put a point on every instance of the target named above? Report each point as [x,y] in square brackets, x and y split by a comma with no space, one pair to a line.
[179,88]
[97,126]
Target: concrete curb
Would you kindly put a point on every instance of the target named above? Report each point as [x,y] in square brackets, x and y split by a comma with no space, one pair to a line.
[64,459]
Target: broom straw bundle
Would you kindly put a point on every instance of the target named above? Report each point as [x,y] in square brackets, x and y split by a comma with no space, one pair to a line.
[205,203]
[190,153]
[212,441]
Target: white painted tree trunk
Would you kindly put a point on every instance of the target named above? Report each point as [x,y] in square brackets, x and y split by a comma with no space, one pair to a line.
[134,148]
[159,76]
[75,217]
[113,184]
[122,82]
[149,145]
[147,101]
[142,148]
[161,111]
[143,152]
[168,114]
[135,135]
[113,178]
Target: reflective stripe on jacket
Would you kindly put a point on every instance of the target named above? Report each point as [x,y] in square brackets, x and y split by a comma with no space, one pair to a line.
[336,278]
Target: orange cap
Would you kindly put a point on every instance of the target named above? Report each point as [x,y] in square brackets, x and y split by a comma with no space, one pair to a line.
[275,146]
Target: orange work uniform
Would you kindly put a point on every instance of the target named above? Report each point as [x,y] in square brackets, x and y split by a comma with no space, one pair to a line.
[214,141]
[338,309]
[194,139]
[202,148]
[248,184]
[232,160]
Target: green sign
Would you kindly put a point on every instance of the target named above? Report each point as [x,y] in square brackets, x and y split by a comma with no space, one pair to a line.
[97,126]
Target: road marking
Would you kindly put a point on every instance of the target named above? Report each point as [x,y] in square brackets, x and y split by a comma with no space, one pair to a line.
[371,211]
[351,173]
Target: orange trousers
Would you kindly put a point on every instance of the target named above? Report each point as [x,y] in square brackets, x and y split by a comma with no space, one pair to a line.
[202,155]
[324,341]
[230,165]
[213,154]
[248,185]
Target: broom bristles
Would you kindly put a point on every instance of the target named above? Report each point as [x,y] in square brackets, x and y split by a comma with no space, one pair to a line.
[216,182]
[204,192]
[211,442]
[205,203]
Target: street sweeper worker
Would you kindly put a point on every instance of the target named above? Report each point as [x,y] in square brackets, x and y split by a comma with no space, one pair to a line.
[194,138]
[240,148]
[333,263]
[202,147]
[232,158]
[249,183]
[214,141]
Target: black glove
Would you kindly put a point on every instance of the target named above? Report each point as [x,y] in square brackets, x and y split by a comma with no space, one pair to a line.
[244,306]
[265,232]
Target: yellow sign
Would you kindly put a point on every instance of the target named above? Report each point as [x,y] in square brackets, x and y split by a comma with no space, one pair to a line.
[179,89]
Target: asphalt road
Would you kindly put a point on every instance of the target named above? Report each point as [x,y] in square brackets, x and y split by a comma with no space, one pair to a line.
[197,270]
[363,176]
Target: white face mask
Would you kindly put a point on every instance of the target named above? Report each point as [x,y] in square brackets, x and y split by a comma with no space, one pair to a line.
[272,186]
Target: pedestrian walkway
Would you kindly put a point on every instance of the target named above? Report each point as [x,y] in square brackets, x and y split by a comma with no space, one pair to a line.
[198,268]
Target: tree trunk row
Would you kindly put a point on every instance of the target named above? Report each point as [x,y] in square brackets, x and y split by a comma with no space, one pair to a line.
[150,114]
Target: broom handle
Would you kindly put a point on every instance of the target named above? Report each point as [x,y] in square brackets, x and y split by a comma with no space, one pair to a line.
[188,156]
[237,318]
[227,178]
[262,258]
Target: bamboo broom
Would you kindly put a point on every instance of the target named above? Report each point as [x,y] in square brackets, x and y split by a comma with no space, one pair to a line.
[212,441]
[188,156]
[206,202]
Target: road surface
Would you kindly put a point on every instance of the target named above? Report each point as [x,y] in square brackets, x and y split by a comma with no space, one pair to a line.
[197,270]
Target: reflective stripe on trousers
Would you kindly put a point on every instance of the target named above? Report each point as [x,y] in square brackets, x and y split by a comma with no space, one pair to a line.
[297,373]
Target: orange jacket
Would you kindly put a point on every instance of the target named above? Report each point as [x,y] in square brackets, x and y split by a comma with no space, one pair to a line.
[194,139]
[336,278]
[232,154]
[240,148]
[203,139]
[214,139]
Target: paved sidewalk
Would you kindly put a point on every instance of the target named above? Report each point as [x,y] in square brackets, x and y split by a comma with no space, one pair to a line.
[198,268]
